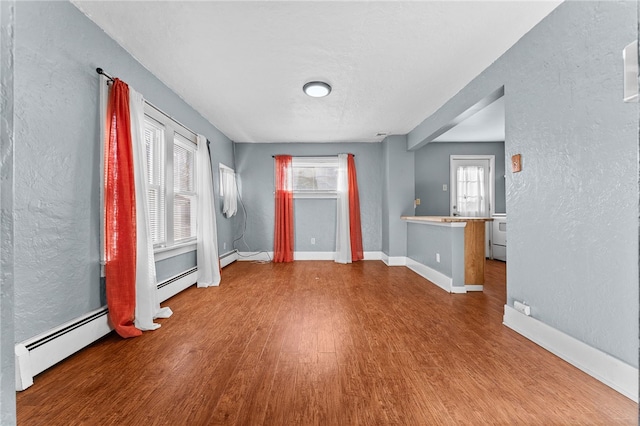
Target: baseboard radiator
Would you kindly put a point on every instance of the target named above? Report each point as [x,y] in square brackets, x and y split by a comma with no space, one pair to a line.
[228,258]
[41,352]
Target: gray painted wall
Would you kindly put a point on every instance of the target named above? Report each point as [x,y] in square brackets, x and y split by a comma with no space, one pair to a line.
[425,241]
[433,169]
[175,265]
[57,159]
[7,149]
[397,194]
[313,218]
[573,210]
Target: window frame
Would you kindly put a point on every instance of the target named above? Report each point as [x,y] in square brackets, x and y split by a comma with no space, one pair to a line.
[223,168]
[181,141]
[170,247]
[161,186]
[314,162]
[226,173]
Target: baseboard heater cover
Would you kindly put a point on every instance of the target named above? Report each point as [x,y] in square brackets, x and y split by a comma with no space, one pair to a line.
[228,258]
[35,355]
[43,351]
[66,329]
[174,285]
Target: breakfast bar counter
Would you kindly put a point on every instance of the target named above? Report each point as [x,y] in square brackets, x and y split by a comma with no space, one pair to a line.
[460,260]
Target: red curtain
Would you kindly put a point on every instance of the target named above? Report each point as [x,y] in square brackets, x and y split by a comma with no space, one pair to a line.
[283,236]
[120,214]
[355,228]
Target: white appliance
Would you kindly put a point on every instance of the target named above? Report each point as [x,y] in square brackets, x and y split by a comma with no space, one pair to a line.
[499,237]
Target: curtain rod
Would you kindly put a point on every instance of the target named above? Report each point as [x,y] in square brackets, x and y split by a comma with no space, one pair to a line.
[112,79]
[101,72]
[310,156]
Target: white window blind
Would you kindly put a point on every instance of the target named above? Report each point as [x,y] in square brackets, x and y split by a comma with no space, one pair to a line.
[171,172]
[315,176]
[184,189]
[154,144]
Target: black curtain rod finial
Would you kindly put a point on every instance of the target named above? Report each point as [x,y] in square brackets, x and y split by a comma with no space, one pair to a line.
[101,71]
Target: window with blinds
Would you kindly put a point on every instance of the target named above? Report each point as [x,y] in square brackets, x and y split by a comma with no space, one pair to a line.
[154,144]
[184,189]
[315,177]
[171,174]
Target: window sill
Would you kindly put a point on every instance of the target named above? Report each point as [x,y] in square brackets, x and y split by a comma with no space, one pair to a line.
[315,195]
[162,253]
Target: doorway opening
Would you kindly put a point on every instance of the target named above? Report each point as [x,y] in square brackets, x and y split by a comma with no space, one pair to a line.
[472,189]
[475,188]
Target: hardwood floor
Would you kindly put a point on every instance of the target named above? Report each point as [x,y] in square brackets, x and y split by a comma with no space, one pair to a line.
[318,343]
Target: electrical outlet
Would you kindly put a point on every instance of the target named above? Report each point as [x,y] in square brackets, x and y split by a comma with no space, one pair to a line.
[417,201]
[444,187]
[438,257]
[522,307]
[224,245]
[313,241]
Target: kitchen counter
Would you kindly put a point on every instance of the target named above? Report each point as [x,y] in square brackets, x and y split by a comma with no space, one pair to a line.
[446,219]
[474,247]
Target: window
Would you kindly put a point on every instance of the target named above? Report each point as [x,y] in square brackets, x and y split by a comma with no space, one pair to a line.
[184,189]
[315,177]
[154,144]
[228,190]
[171,173]
[470,192]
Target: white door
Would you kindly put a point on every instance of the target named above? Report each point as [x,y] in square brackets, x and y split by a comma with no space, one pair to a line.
[472,187]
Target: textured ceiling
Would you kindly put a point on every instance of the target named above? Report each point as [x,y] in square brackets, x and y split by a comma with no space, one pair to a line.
[242,64]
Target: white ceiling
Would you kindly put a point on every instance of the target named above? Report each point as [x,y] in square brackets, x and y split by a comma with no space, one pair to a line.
[486,125]
[242,64]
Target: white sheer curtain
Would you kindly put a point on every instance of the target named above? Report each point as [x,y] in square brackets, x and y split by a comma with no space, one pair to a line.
[207,238]
[147,304]
[229,191]
[343,239]
[471,191]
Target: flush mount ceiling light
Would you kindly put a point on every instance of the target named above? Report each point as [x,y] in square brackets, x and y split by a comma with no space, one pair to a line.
[317,89]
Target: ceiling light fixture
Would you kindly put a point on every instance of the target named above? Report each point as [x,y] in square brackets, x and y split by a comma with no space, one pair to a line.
[317,89]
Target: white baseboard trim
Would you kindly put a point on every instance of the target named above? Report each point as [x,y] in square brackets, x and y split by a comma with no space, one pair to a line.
[252,256]
[614,373]
[438,278]
[314,255]
[373,255]
[302,255]
[228,258]
[473,287]
[394,260]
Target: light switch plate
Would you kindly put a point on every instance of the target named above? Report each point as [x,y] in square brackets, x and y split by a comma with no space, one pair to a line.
[516,163]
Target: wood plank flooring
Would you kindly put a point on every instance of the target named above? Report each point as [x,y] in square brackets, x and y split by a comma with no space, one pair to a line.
[318,343]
